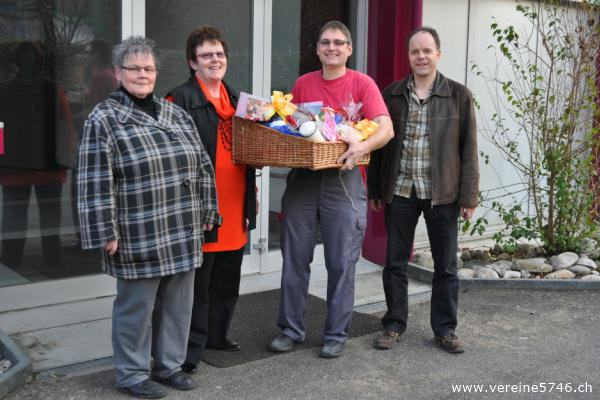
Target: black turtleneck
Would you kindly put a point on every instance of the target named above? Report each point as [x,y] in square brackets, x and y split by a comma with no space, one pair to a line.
[146,104]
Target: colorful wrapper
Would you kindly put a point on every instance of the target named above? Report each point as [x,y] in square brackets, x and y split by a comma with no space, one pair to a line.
[366,127]
[282,104]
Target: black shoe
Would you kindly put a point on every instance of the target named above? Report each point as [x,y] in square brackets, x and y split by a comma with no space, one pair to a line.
[282,343]
[332,349]
[229,345]
[147,389]
[179,380]
[189,368]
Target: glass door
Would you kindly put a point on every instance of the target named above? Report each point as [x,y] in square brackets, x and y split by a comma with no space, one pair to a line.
[294,29]
[61,51]
[64,48]
[169,24]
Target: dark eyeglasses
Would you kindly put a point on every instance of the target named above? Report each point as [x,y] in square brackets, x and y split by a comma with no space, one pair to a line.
[210,55]
[336,43]
[138,70]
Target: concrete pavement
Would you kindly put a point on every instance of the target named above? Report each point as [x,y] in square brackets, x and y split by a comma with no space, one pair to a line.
[77,332]
[515,338]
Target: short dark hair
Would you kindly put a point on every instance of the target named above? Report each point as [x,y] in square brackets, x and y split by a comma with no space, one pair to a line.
[337,25]
[425,29]
[197,37]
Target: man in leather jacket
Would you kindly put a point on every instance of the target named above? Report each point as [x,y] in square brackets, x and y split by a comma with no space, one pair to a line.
[429,167]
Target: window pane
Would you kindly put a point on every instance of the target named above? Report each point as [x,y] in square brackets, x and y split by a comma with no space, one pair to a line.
[296,25]
[170,22]
[54,66]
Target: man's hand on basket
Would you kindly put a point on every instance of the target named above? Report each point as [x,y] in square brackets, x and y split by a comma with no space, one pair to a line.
[356,150]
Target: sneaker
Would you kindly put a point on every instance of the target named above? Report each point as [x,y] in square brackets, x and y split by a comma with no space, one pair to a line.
[387,340]
[332,349]
[450,343]
[282,343]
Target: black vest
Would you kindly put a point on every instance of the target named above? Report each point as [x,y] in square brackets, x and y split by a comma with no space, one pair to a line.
[191,98]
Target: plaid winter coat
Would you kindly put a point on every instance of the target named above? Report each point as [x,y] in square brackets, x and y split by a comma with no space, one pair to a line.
[148,184]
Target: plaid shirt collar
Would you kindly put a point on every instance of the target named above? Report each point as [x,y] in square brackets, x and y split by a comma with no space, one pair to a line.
[435,89]
[440,86]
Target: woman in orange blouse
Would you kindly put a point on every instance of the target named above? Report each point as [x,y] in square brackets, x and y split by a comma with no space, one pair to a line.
[211,103]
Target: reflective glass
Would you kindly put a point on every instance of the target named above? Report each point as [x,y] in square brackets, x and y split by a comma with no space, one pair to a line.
[296,25]
[54,67]
[170,22]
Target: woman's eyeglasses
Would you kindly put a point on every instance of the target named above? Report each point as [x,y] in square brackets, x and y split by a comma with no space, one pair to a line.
[138,70]
[210,55]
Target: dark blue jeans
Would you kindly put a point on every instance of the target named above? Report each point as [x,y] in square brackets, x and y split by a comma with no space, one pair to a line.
[401,217]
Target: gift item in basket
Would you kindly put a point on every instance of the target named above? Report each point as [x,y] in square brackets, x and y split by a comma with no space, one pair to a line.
[254,108]
[257,144]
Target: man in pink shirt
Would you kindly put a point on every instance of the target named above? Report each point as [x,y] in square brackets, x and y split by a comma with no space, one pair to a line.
[333,199]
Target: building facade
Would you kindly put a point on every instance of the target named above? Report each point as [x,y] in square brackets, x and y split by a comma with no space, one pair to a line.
[55,66]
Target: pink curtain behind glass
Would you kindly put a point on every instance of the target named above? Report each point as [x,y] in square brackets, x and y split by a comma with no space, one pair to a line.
[390,22]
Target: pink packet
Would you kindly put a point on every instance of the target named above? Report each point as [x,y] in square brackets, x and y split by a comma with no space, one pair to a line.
[1,138]
[329,131]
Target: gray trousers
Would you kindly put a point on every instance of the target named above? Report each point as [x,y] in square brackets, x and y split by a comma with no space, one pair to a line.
[313,199]
[151,319]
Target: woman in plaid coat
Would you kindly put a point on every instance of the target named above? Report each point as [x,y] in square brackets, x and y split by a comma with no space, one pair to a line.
[146,193]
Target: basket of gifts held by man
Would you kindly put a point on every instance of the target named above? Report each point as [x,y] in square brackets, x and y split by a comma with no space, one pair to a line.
[257,144]
[284,142]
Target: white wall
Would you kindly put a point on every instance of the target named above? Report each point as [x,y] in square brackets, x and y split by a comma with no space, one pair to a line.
[450,19]
[465,34]
[499,172]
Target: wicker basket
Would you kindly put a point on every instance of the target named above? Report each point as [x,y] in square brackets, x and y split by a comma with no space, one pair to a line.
[257,144]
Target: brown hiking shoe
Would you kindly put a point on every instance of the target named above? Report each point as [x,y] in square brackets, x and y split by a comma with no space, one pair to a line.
[387,340]
[450,343]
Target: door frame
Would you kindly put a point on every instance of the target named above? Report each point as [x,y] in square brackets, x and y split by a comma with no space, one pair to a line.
[263,260]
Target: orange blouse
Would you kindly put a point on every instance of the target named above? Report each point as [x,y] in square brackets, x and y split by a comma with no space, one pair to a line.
[230,179]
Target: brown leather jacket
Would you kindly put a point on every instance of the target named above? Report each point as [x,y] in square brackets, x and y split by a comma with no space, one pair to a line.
[453,139]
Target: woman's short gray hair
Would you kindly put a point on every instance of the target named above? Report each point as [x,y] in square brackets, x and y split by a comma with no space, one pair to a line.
[134,45]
